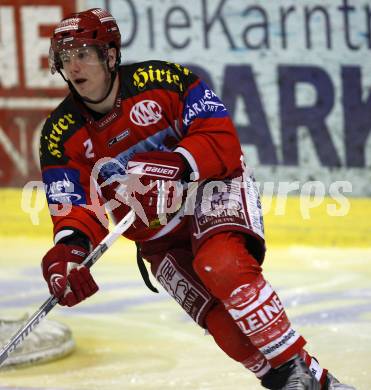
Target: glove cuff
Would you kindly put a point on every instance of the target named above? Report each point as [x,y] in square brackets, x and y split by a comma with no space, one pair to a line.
[187,170]
[72,236]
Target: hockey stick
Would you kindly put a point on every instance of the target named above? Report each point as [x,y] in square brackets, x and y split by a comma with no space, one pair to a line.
[48,305]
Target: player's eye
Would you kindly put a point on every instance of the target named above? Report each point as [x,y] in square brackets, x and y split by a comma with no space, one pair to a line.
[82,55]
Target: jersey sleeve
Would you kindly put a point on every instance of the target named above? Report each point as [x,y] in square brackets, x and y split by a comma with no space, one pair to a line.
[67,179]
[210,142]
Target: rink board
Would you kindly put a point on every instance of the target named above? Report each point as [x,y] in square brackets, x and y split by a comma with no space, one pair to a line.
[129,338]
[288,220]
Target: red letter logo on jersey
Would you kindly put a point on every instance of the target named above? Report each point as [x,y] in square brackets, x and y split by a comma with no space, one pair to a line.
[145,113]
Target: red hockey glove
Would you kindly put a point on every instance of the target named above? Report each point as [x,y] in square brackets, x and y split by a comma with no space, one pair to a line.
[66,278]
[156,188]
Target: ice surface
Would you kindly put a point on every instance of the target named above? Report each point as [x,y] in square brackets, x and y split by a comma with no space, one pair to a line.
[130,338]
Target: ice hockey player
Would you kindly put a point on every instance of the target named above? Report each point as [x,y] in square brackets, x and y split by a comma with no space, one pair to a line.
[199,224]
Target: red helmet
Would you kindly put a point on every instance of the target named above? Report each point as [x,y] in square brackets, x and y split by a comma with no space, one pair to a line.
[94,27]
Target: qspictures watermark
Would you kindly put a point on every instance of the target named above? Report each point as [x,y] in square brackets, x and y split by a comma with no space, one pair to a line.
[63,194]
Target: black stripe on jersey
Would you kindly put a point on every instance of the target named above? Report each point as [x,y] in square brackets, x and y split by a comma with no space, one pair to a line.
[64,121]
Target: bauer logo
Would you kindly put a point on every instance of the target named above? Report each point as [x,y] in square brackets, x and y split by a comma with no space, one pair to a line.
[145,113]
[160,171]
[63,186]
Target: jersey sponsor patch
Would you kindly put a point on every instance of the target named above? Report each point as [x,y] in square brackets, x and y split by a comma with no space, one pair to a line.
[146,113]
[119,138]
[190,295]
[57,133]
[63,186]
[220,203]
[202,102]
[166,74]
[229,204]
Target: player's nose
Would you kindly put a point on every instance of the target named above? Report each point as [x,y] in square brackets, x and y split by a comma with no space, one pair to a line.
[74,65]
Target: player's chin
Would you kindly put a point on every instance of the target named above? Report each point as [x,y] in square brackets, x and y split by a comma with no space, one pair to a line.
[81,87]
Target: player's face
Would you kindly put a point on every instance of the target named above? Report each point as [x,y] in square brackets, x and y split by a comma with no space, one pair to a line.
[87,72]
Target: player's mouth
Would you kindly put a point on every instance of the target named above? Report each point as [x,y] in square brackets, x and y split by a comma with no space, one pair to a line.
[80,81]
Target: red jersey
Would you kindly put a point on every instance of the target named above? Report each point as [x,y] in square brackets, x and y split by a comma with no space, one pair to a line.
[159,106]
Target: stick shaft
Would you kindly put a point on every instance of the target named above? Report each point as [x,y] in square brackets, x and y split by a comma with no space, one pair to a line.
[48,305]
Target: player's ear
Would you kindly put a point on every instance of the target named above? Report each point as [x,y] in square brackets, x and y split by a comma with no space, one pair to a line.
[112,54]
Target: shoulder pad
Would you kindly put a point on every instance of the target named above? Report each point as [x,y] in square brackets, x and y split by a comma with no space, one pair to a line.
[61,124]
[149,75]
